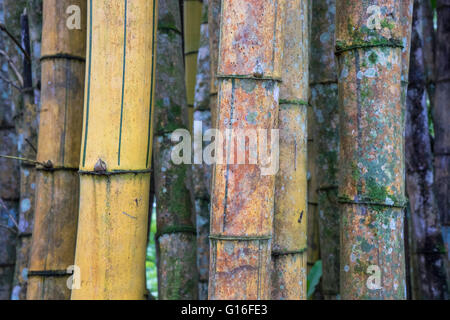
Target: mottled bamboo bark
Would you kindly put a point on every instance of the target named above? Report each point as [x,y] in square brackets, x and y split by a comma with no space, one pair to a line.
[57,191]
[116,149]
[290,212]
[242,197]
[16,22]
[192,19]
[371,189]
[214,13]
[324,101]
[9,181]
[429,259]
[176,232]
[201,173]
[441,121]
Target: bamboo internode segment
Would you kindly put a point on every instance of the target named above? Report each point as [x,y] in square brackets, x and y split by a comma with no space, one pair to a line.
[192,12]
[56,213]
[371,189]
[290,212]
[324,102]
[117,138]
[242,199]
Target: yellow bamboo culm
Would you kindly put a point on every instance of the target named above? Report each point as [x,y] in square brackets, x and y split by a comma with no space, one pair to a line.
[192,12]
[116,150]
[56,212]
[290,217]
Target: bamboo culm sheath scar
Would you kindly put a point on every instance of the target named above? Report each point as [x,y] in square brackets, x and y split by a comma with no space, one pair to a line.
[116,149]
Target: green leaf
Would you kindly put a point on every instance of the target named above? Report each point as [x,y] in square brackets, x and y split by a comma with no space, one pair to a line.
[314,277]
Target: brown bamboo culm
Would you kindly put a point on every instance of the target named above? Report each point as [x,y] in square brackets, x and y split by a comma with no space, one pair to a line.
[290,211]
[57,190]
[242,198]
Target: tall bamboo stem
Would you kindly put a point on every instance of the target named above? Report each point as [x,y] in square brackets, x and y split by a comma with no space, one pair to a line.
[441,115]
[57,191]
[176,232]
[371,192]
[324,101]
[116,149]
[290,212]
[242,197]
[201,173]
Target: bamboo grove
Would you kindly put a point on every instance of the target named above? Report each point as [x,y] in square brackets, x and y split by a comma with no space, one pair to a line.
[224,149]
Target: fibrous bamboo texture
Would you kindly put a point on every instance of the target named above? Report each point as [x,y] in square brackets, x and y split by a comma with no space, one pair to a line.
[324,101]
[116,149]
[242,198]
[371,190]
[57,191]
[192,12]
[290,213]
[176,232]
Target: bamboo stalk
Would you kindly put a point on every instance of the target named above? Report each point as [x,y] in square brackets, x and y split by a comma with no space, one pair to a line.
[428,254]
[290,211]
[441,117]
[324,101]
[201,173]
[371,192]
[242,198]
[192,19]
[176,232]
[116,149]
[57,192]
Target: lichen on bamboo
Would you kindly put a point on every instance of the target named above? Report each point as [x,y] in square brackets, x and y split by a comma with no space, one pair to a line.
[242,198]
[371,189]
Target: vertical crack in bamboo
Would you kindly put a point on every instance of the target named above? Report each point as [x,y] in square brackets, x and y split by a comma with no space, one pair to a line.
[57,188]
[290,211]
[372,188]
[113,207]
[242,198]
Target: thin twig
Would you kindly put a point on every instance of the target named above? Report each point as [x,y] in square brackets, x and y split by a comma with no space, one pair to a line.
[13,67]
[10,82]
[22,159]
[10,216]
[3,28]
[31,145]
